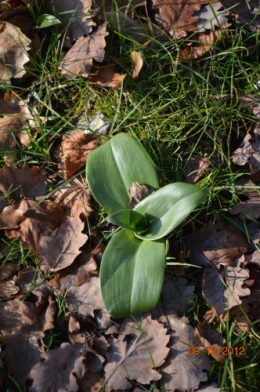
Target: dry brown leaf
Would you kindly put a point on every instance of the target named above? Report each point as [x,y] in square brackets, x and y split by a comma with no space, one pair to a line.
[137,193]
[195,168]
[211,16]
[250,304]
[16,315]
[245,12]
[183,371]
[80,272]
[79,59]
[136,348]
[138,60]
[22,352]
[60,369]
[250,208]
[201,44]
[76,199]
[41,219]
[12,216]
[59,250]
[176,295]
[249,152]
[45,308]
[177,17]
[86,298]
[76,14]
[211,340]
[13,51]
[216,245]
[106,76]
[27,182]
[223,289]
[28,279]
[74,151]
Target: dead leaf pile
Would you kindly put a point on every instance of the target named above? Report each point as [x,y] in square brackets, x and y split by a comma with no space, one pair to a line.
[87,24]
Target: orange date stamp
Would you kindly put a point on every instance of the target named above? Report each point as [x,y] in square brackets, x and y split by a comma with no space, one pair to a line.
[217,351]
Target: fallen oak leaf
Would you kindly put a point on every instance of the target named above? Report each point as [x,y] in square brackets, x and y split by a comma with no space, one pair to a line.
[86,298]
[16,315]
[59,250]
[249,152]
[216,245]
[223,288]
[27,182]
[60,369]
[79,59]
[212,341]
[14,46]
[36,220]
[136,348]
[181,370]
[178,17]
[22,352]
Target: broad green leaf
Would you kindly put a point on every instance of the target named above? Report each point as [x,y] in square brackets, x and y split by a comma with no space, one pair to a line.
[113,167]
[168,207]
[131,274]
[130,220]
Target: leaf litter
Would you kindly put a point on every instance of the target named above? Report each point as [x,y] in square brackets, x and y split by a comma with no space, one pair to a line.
[99,353]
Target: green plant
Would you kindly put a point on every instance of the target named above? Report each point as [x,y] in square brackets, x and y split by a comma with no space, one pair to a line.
[133,264]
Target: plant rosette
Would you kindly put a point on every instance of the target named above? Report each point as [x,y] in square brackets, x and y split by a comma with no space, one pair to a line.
[133,264]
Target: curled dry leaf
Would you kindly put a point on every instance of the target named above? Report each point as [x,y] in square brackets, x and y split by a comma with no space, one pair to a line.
[138,60]
[22,352]
[182,371]
[60,369]
[59,250]
[27,182]
[74,151]
[136,348]
[79,59]
[216,245]
[106,76]
[45,308]
[223,289]
[12,216]
[14,46]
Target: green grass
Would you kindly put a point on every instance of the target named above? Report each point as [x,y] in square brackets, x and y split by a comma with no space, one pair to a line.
[178,111]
